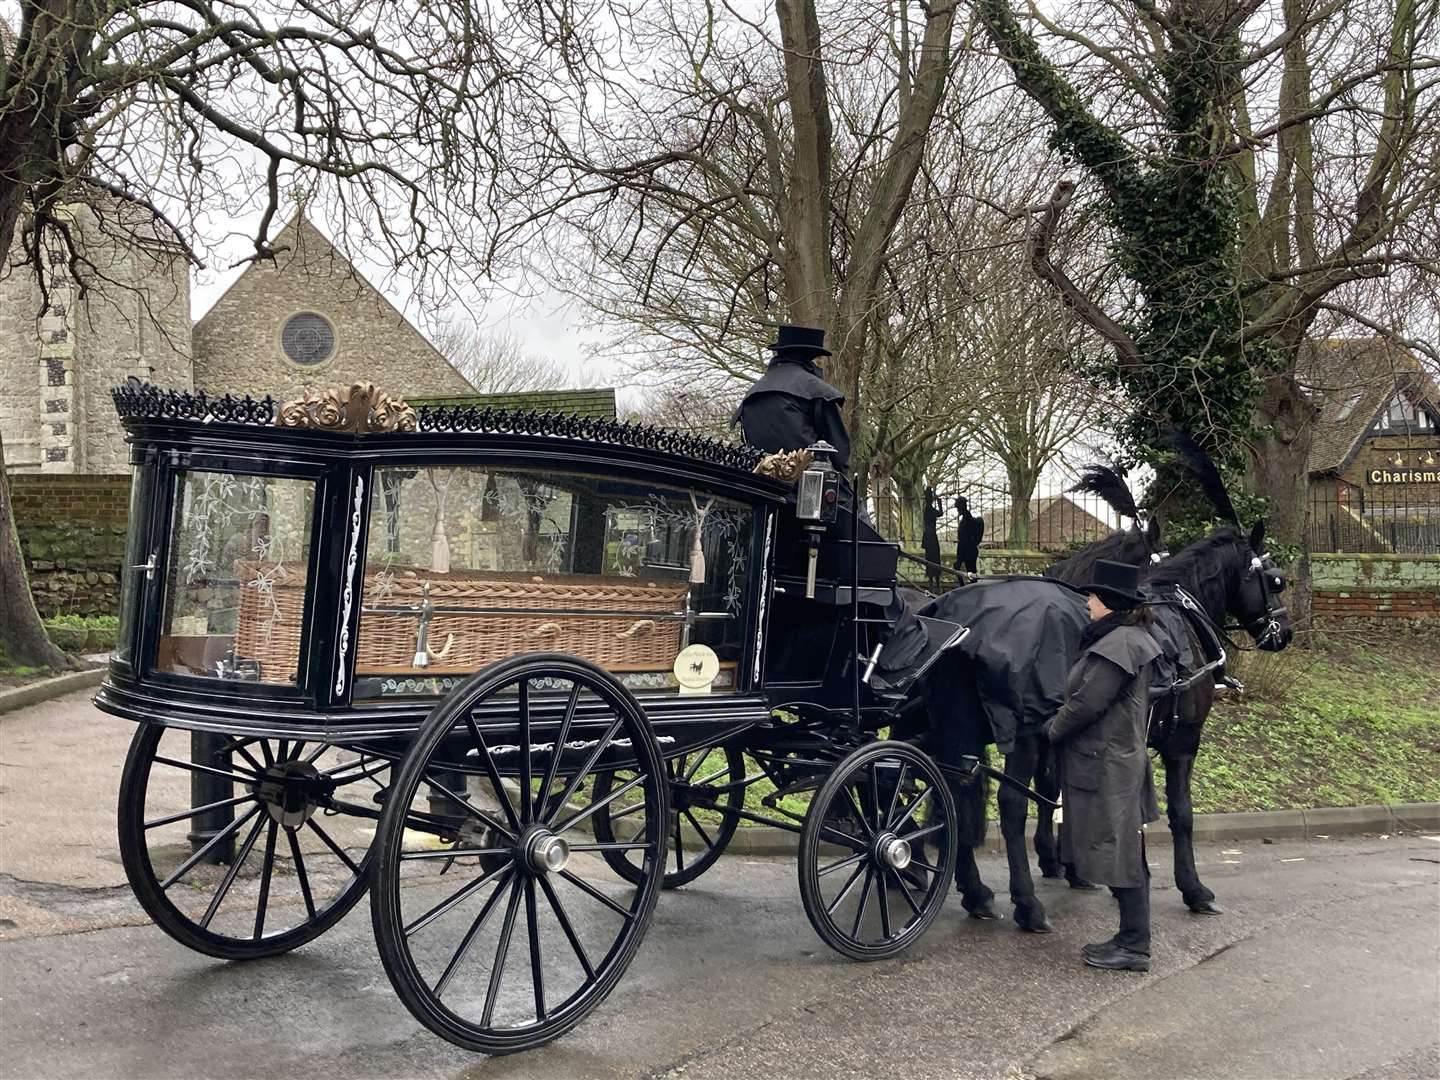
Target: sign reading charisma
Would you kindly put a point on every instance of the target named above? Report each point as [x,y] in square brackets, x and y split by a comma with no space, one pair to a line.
[1404,476]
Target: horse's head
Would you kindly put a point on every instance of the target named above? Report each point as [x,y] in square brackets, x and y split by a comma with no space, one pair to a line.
[1255,595]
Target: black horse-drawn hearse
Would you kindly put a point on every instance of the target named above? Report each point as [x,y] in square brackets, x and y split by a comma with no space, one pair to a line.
[508,673]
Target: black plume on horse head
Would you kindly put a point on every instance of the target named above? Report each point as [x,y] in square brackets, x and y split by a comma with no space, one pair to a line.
[1105,482]
[1199,465]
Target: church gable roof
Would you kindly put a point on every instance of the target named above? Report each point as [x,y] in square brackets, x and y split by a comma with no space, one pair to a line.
[1351,380]
[310,254]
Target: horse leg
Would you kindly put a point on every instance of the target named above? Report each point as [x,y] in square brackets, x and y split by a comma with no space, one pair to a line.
[975,896]
[1020,764]
[1045,848]
[1180,810]
[958,729]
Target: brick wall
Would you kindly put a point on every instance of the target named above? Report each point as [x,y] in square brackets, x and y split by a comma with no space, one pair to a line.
[1001,560]
[1354,592]
[72,534]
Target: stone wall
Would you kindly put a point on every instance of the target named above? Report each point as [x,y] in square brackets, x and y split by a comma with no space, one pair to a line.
[72,534]
[1014,561]
[999,561]
[127,313]
[1353,592]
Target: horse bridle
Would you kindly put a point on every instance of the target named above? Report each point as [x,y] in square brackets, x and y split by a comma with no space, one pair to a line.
[1269,623]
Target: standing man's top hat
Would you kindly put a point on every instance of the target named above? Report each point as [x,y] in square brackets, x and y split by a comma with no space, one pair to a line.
[804,341]
[1116,584]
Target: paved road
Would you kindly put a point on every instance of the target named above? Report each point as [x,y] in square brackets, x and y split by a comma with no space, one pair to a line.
[1326,964]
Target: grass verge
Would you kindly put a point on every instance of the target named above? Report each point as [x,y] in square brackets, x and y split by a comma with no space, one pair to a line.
[1339,724]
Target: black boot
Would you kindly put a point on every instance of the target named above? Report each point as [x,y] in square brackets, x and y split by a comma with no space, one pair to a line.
[1113,957]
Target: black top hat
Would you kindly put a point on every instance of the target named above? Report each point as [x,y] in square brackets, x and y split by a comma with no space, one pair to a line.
[806,339]
[1116,583]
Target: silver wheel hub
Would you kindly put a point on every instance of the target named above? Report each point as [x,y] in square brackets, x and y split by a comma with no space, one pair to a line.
[288,793]
[891,851]
[547,853]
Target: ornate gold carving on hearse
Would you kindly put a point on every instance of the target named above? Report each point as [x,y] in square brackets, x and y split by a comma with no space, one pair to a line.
[361,410]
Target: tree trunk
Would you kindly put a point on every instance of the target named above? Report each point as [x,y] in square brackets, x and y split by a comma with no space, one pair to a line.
[23,641]
[1280,472]
[1022,486]
[912,509]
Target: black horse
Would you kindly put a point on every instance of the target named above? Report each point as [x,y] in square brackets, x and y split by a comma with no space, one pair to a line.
[1227,573]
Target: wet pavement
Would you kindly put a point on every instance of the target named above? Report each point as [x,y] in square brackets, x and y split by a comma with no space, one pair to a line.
[1326,963]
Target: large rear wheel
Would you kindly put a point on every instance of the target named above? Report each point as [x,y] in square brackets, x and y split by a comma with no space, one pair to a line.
[270,856]
[530,927]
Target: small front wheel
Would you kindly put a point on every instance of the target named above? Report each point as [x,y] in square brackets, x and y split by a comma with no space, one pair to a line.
[707,787]
[877,851]
[508,935]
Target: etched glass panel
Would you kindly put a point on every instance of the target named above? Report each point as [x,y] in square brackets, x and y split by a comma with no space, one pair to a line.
[468,565]
[235,581]
[132,572]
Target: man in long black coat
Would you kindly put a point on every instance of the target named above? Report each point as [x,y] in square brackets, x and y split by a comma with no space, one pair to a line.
[968,537]
[791,406]
[930,539]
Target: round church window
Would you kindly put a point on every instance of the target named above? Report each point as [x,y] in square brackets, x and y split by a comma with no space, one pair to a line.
[308,338]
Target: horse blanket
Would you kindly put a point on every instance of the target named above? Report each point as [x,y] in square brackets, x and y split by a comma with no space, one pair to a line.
[1024,637]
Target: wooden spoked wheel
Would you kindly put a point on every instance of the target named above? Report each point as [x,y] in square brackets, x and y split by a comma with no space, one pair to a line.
[706,787]
[877,851]
[512,935]
[243,847]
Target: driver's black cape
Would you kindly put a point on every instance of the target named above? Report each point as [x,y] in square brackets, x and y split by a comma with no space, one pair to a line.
[791,407]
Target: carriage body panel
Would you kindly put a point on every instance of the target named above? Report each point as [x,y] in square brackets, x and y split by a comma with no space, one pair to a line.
[277,584]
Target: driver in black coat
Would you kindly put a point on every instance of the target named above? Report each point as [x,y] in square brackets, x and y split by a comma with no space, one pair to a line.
[791,406]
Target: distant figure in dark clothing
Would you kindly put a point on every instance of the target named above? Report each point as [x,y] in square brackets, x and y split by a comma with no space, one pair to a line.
[791,407]
[967,544]
[930,539]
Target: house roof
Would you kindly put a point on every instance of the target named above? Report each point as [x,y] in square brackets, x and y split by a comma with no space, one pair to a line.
[598,402]
[1064,520]
[1352,380]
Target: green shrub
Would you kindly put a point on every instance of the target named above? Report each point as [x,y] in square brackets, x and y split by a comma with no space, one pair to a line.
[85,622]
[70,639]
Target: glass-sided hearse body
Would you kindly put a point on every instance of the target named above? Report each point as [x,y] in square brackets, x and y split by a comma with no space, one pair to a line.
[480,662]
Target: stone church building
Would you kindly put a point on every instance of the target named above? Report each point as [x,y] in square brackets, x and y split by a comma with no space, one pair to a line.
[309,319]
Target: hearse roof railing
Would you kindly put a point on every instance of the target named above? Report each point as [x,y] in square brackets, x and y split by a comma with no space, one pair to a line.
[365,411]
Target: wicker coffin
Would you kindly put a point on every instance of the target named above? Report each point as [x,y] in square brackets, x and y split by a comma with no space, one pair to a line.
[526,619]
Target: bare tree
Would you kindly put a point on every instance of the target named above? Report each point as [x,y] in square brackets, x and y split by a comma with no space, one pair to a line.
[748,172]
[391,118]
[497,363]
[1263,166]
[689,409]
